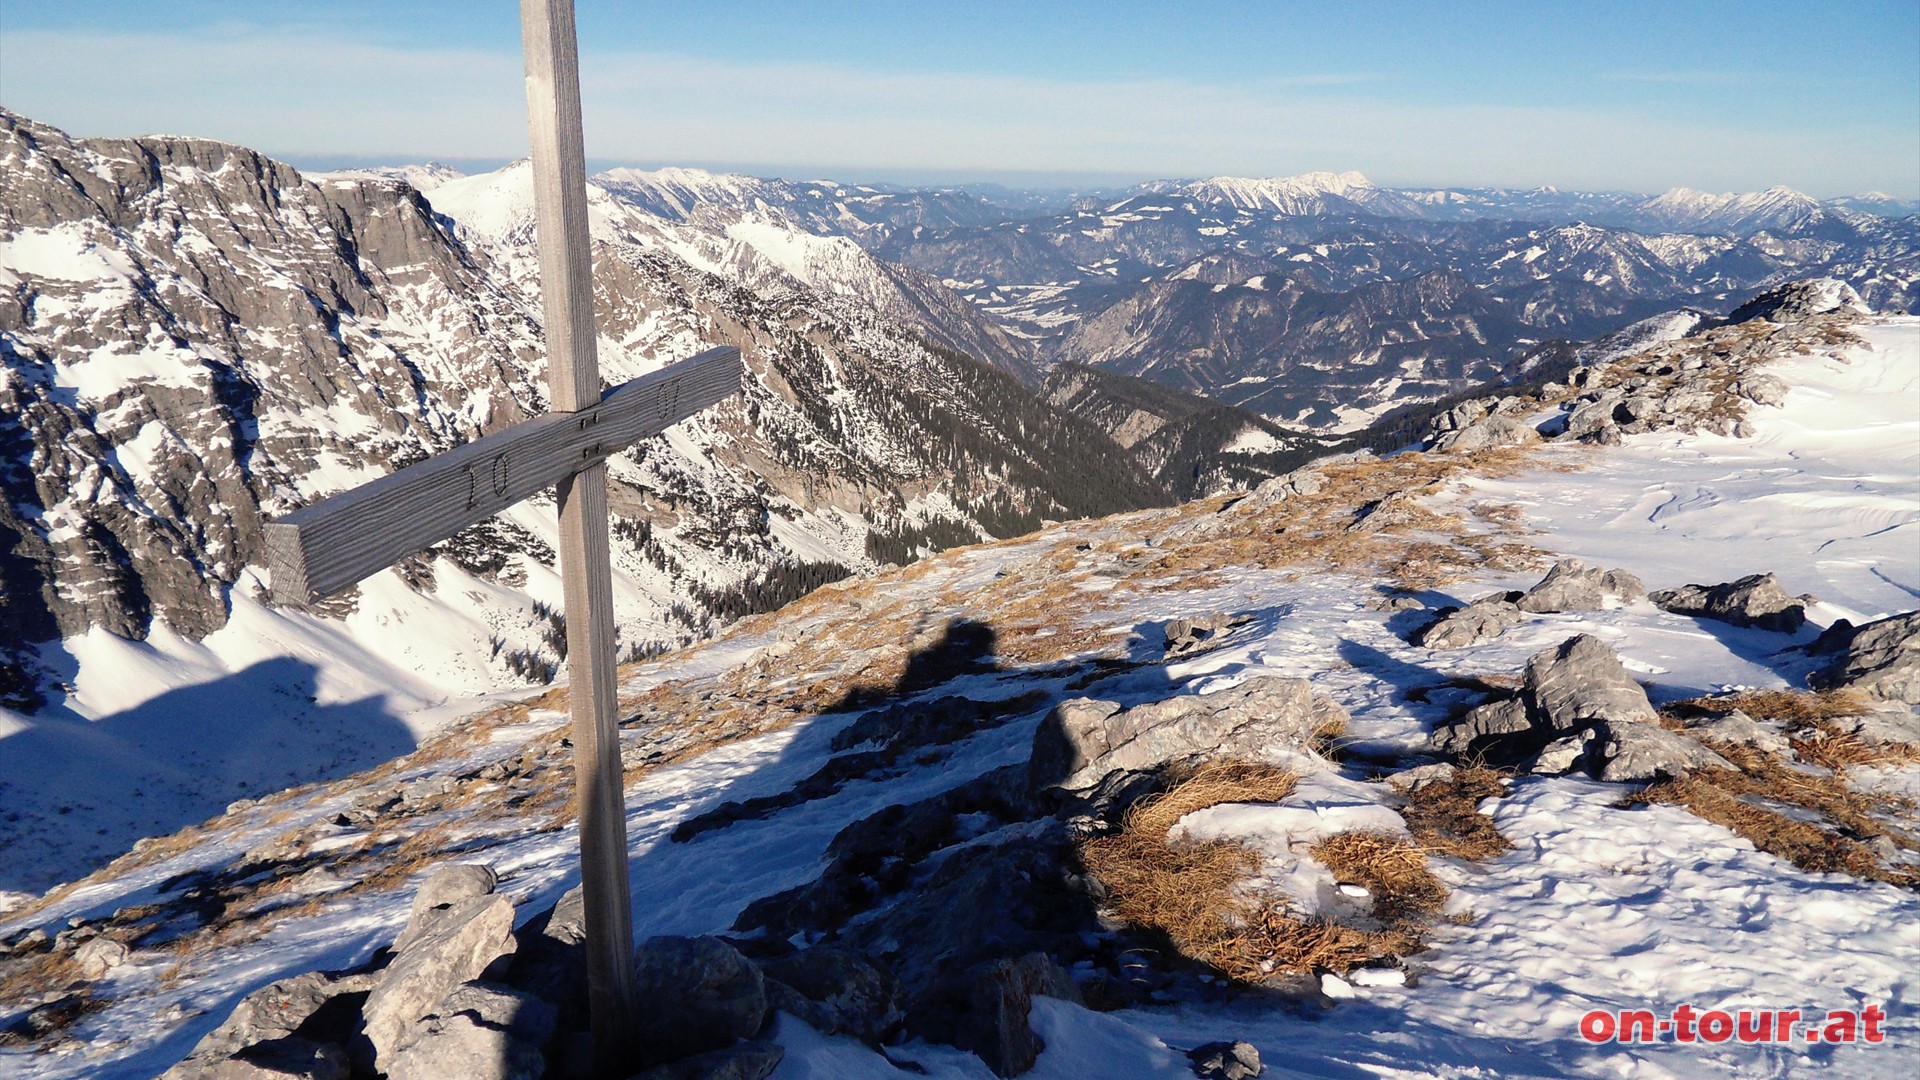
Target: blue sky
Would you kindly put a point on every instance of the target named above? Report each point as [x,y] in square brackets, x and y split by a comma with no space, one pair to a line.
[1626,95]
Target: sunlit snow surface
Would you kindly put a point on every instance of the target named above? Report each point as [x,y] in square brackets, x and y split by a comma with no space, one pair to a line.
[1597,906]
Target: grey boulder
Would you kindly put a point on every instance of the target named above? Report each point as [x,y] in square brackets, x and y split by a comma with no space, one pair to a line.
[701,995]
[443,890]
[1493,730]
[1755,600]
[480,1031]
[461,945]
[97,956]
[1458,628]
[1188,636]
[1880,660]
[1083,740]
[1581,682]
[1572,585]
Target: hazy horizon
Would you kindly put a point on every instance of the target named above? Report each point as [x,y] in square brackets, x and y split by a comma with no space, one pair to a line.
[1636,96]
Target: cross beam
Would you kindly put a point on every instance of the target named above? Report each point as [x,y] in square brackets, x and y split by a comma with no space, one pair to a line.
[336,542]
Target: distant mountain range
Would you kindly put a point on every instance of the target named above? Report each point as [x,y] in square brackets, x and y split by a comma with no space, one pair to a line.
[197,338]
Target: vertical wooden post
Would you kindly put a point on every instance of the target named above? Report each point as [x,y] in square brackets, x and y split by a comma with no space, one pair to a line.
[573,376]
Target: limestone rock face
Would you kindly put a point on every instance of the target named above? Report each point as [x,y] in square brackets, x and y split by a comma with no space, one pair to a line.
[461,945]
[479,1031]
[1485,434]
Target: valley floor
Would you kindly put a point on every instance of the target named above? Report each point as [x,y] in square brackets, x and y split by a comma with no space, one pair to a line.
[1598,905]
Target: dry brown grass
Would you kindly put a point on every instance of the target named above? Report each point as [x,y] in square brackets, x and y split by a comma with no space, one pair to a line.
[1744,798]
[1714,795]
[1212,785]
[1392,870]
[1191,891]
[1824,744]
[1791,707]
[1445,816]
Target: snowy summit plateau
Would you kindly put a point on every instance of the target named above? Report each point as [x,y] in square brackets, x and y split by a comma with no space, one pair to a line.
[1233,627]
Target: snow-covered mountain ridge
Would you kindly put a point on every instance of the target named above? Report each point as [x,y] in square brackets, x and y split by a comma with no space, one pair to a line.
[762,765]
[197,338]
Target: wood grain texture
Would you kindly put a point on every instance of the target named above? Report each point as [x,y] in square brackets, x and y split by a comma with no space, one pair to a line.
[573,373]
[341,540]
[560,201]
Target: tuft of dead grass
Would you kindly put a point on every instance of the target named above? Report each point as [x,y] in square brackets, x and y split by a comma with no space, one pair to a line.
[1392,870]
[1445,815]
[1190,891]
[1790,707]
[1212,785]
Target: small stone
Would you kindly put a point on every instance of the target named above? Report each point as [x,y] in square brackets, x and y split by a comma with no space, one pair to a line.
[1225,1061]
[1738,729]
[99,956]
[1420,776]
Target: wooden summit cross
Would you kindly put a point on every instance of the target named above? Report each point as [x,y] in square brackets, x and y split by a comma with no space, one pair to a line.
[334,543]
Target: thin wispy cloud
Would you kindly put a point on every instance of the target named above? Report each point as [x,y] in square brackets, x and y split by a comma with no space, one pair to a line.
[316,94]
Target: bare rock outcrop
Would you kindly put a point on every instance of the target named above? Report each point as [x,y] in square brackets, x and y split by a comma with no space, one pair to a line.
[1083,740]
[1880,660]
[1799,300]
[1577,709]
[1460,627]
[703,996]
[1572,585]
[459,948]
[480,1031]
[1755,600]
